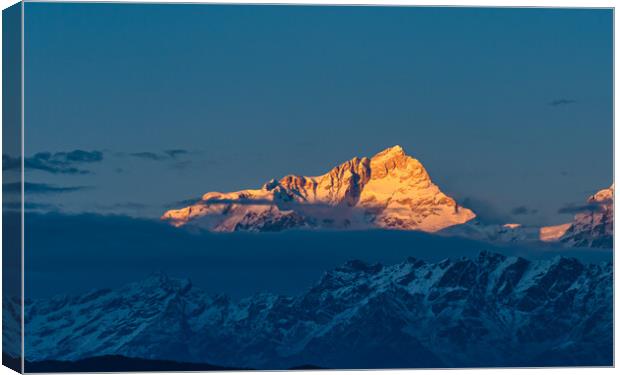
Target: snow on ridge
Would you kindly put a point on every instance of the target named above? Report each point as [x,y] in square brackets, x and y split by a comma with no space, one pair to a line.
[419,300]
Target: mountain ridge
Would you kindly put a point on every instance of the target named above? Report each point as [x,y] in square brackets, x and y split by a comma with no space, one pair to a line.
[390,190]
[488,310]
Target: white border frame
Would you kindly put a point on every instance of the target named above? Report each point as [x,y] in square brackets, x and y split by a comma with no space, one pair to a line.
[452,3]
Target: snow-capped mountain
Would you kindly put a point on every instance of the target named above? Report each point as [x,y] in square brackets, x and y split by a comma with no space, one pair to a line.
[389,190]
[490,310]
[593,227]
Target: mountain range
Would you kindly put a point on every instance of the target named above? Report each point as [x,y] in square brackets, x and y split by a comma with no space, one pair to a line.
[592,226]
[390,190]
[489,310]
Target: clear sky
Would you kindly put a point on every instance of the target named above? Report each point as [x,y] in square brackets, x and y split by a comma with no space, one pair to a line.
[510,110]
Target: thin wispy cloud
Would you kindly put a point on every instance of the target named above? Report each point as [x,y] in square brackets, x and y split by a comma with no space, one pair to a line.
[575,209]
[183,203]
[159,156]
[148,156]
[176,152]
[40,188]
[80,156]
[15,206]
[561,102]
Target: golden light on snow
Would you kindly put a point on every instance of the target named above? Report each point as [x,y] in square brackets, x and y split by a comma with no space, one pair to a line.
[389,190]
[553,233]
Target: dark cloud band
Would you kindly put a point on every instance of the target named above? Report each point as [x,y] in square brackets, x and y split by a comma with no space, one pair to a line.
[561,101]
[56,163]
[36,188]
[575,209]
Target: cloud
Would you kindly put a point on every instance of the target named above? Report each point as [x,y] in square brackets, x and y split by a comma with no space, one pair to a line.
[174,158]
[16,206]
[575,209]
[561,101]
[56,163]
[485,211]
[254,202]
[148,156]
[121,247]
[81,156]
[249,202]
[523,210]
[175,153]
[160,156]
[123,206]
[36,188]
[183,203]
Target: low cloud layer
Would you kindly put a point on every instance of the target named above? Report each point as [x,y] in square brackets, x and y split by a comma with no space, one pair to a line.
[37,188]
[183,203]
[121,206]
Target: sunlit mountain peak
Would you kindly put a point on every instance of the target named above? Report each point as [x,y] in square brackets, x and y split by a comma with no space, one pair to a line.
[390,190]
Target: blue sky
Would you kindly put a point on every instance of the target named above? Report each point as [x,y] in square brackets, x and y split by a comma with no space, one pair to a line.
[510,110]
